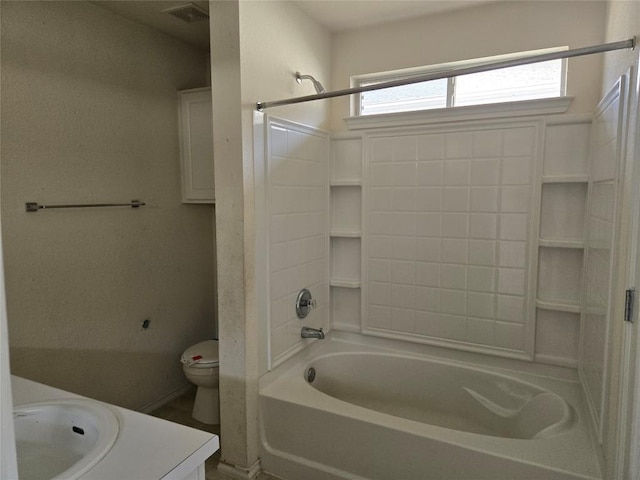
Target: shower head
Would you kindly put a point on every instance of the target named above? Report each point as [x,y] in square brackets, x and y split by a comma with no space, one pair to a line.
[316,84]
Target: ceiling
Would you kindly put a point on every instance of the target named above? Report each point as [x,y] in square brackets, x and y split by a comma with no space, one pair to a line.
[340,15]
[150,13]
[335,15]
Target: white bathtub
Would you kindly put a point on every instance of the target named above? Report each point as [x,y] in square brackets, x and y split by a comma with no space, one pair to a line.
[377,414]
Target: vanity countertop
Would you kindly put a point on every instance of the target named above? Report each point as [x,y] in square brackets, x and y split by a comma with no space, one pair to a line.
[147,448]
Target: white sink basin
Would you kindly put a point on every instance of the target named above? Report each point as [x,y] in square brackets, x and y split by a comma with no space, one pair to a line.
[62,439]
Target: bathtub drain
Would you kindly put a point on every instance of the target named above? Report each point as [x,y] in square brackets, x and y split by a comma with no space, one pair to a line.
[311,374]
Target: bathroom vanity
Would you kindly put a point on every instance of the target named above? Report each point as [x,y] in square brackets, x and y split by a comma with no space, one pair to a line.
[145,448]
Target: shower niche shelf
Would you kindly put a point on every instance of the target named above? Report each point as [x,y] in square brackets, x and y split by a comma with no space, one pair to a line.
[559,276]
[345,262]
[345,309]
[564,187]
[346,183]
[346,231]
[345,283]
[557,337]
[565,179]
[346,210]
[562,212]
[346,160]
[560,243]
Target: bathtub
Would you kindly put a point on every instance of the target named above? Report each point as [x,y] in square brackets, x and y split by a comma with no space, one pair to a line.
[351,410]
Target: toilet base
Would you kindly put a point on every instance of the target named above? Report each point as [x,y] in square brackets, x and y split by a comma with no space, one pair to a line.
[206,408]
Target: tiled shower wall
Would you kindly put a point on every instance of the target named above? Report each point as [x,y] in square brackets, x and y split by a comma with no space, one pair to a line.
[297,218]
[449,217]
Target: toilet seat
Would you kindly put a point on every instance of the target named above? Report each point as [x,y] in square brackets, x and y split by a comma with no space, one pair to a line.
[201,355]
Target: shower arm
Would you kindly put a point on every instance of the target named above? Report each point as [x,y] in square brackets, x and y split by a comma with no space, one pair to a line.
[316,84]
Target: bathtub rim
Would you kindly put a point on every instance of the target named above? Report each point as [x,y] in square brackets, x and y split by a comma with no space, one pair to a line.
[562,381]
[327,403]
[570,415]
[338,341]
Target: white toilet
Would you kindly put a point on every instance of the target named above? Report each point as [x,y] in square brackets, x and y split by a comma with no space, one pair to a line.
[200,364]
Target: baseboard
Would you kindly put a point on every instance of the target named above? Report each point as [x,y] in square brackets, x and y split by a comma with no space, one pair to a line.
[150,407]
[233,471]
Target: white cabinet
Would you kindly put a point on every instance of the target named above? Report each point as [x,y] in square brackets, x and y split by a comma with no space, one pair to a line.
[196,145]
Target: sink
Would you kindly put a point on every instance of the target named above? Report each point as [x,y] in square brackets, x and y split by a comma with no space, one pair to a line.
[62,439]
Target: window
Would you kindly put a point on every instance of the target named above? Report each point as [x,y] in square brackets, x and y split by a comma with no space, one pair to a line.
[525,82]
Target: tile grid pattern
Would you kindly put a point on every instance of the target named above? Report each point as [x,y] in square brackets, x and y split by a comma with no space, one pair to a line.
[600,228]
[298,231]
[448,224]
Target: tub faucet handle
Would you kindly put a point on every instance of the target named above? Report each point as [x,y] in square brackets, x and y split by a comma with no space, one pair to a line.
[304,303]
[308,303]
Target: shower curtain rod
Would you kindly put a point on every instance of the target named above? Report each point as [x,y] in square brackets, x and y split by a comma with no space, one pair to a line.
[577,52]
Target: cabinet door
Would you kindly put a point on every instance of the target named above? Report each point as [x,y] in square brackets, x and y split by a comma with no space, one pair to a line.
[196,146]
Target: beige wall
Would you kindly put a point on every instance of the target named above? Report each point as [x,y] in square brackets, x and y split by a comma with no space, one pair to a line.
[89,115]
[279,39]
[622,23]
[486,30]
[256,49]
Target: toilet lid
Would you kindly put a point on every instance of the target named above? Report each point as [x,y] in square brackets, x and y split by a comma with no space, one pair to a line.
[201,354]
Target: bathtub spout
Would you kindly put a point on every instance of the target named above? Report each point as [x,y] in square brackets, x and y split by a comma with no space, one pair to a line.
[308,332]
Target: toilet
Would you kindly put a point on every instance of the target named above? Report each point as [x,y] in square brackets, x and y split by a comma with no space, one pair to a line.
[200,365]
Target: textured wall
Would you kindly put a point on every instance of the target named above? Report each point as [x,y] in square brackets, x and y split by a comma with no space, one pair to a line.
[279,39]
[89,115]
[492,29]
[256,49]
[622,23]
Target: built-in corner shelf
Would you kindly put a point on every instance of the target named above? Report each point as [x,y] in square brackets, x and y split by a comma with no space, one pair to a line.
[563,199]
[565,179]
[345,283]
[560,243]
[562,209]
[346,233]
[346,188]
[346,183]
[558,306]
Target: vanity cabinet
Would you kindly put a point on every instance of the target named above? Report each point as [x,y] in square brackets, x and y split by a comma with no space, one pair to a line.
[196,145]
[146,447]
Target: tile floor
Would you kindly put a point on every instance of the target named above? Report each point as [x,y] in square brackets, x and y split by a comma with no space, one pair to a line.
[179,411]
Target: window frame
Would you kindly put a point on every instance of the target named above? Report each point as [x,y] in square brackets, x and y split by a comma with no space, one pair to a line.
[380,77]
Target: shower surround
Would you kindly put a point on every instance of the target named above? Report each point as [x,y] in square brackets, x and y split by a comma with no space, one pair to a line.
[457,236]
[464,231]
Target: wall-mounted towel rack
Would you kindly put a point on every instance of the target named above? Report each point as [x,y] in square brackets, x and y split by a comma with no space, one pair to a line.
[34,206]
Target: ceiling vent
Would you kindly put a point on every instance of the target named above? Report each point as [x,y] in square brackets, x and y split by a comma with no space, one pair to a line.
[188,12]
